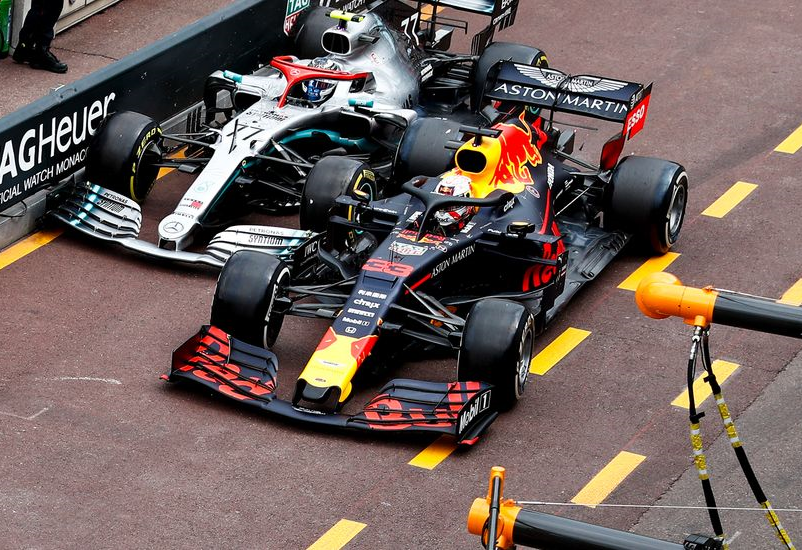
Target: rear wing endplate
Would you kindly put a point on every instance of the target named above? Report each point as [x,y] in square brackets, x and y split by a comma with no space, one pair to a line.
[586,95]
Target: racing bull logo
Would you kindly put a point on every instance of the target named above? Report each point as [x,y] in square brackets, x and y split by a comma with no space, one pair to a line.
[517,152]
[505,161]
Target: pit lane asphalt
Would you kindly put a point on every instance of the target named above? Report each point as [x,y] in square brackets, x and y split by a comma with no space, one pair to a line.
[97,452]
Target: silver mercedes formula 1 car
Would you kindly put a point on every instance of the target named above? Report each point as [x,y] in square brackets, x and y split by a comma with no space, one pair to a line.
[364,81]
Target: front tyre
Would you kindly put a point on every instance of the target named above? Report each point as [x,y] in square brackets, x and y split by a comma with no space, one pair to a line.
[648,200]
[246,293]
[330,178]
[124,154]
[497,344]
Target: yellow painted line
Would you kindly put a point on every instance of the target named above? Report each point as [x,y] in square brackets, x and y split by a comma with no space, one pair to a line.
[555,351]
[26,246]
[338,536]
[729,200]
[792,143]
[426,12]
[435,453]
[701,389]
[793,296]
[180,154]
[608,479]
[652,265]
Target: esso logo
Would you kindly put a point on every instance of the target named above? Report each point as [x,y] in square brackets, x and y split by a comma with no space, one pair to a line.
[636,117]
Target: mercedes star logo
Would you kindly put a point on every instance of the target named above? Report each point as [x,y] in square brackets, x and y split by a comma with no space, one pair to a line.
[173,227]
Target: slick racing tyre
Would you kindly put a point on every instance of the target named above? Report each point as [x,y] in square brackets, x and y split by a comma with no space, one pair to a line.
[648,200]
[309,31]
[497,345]
[501,51]
[246,294]
[422,151]
[330,178]
[124,154]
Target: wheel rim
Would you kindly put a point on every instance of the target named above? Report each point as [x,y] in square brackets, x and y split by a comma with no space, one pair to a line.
[150,156]
[676,211]
[524,359]
[279,290]
[368,187]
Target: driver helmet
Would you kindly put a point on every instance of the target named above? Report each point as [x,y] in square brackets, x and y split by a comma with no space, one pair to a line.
[318,90]
[454,186]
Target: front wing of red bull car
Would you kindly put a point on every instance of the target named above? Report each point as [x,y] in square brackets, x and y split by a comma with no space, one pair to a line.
[533,233]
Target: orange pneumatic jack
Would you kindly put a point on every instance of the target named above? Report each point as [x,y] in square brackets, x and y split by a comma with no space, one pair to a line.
[661,295]
[503,524]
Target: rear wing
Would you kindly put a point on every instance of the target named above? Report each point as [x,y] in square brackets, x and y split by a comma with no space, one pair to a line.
[502,12]
[592,96]
[420,19]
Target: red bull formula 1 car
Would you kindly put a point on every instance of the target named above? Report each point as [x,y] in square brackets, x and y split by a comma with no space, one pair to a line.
[477,260]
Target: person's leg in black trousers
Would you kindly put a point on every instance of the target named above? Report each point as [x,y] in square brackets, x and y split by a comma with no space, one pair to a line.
[37,34]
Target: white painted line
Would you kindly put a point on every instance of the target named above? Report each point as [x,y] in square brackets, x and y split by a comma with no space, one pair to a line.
[84,379]
[33,416]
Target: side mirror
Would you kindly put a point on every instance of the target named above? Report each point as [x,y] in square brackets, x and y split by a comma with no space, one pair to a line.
[520,229]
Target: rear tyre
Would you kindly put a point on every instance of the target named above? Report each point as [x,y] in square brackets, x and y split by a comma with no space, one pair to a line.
[502,51]
[246,292]
[648,200]
[330,178]
[124,153]
[497,344]
[422,151]
[309,31]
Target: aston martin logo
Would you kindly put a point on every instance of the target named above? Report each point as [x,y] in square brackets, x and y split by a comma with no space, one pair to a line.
[579,84]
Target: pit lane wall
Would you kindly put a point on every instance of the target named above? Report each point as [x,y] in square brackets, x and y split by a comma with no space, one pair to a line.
[46,141]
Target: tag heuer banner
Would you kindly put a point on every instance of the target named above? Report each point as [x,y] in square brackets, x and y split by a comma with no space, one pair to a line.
[46,141]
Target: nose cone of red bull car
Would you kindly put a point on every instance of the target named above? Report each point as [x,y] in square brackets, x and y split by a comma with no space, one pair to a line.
[326,380]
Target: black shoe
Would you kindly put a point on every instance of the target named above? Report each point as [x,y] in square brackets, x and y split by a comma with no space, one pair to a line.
[44,59]
[22,53]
